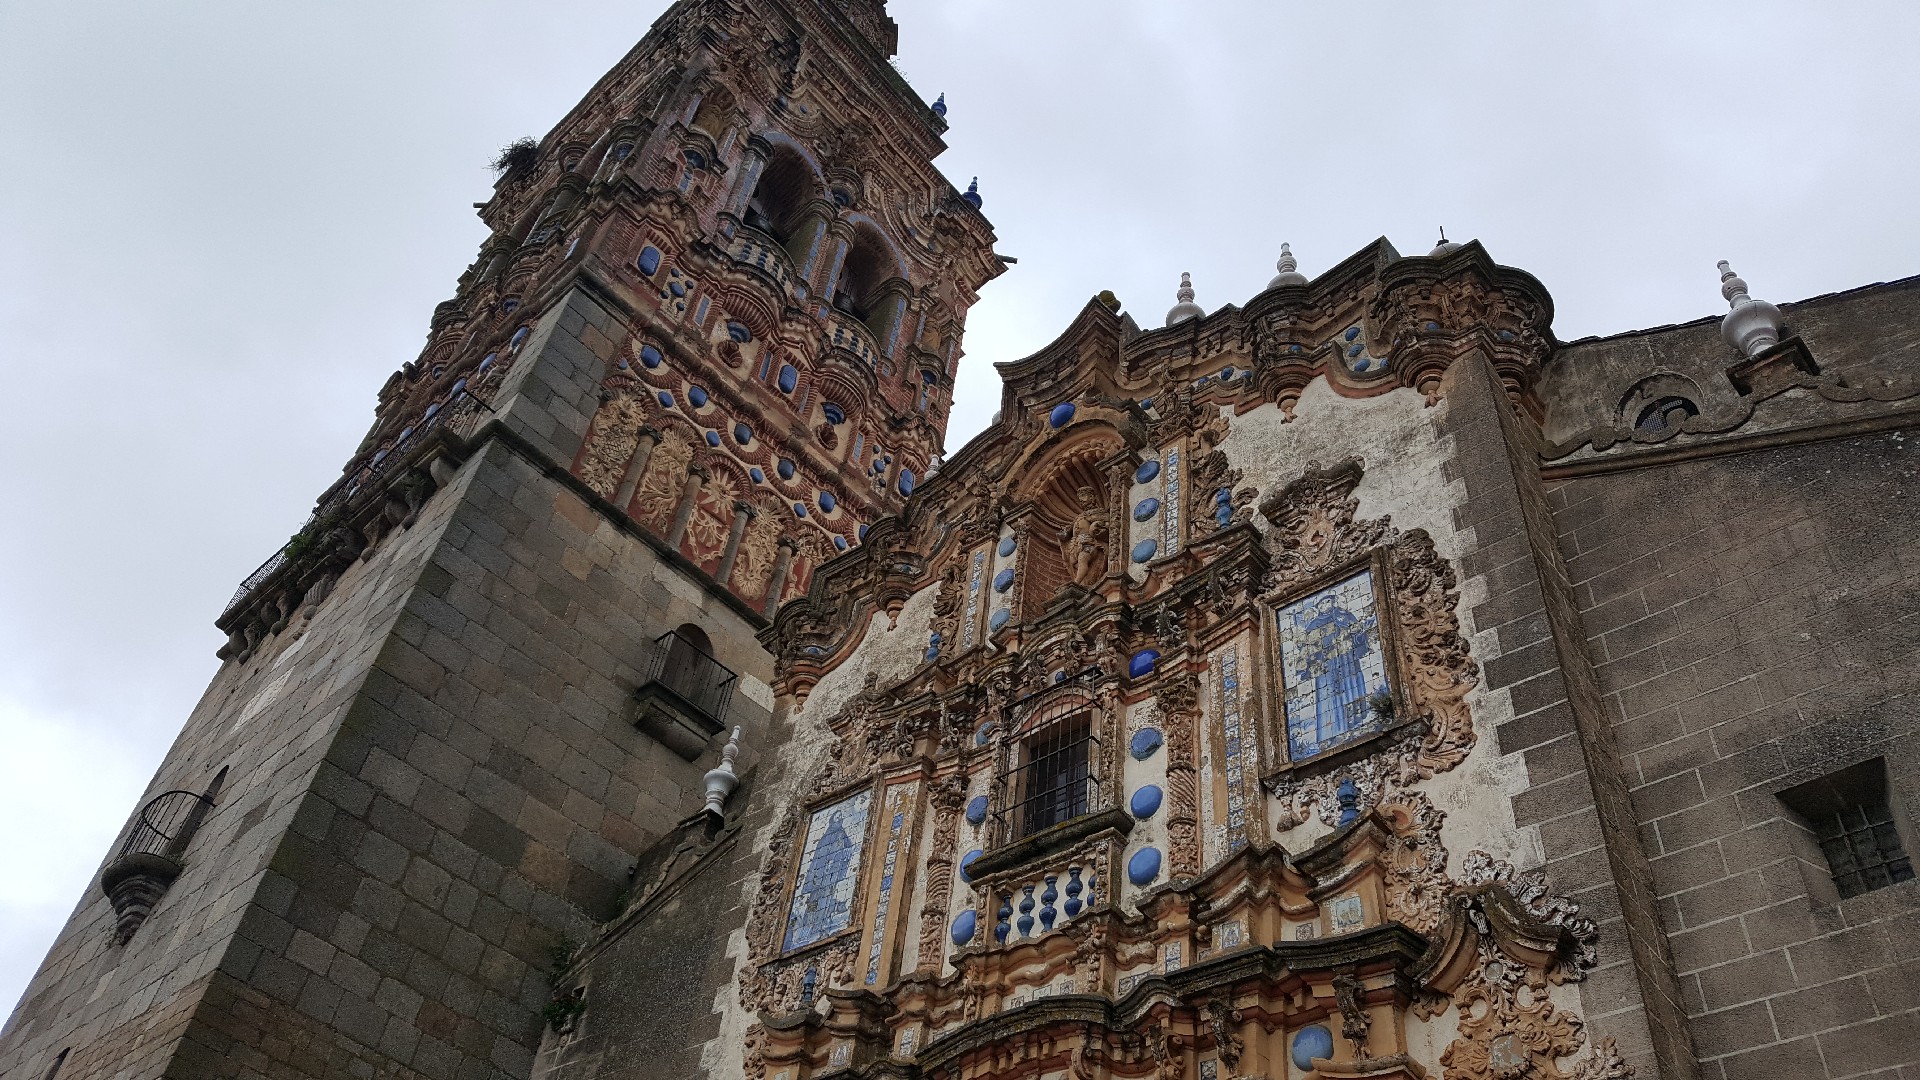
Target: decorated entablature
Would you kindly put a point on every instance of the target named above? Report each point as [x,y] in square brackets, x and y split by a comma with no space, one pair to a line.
[1153,800]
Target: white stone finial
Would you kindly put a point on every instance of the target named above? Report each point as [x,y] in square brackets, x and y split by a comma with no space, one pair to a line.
[1750,326]
[1289,268]
[1186,308]
[722,780]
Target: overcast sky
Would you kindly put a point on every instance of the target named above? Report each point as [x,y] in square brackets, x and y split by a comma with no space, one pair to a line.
[223,223]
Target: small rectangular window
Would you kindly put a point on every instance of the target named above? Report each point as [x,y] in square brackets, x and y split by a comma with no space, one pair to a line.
[1851,817]
[1054,779]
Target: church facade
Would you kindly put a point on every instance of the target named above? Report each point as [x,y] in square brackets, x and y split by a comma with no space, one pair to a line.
[1355,682]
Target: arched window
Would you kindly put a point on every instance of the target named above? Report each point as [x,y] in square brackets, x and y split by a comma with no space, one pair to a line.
[868,265]
[1664,414]
[779,199]
[693,637]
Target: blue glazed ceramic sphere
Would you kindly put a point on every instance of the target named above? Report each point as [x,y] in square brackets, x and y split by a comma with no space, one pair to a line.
[1062,414]
[1145,509]
[1007,544]
[1145,802]
[1145,742]
[789,378]
[650,356]
[967,861]
[697,395]
[964,924]
[1146,472]
[977,809]
[827,501]
[1000,619]
[1309,1043]
[1003,580]
[1145,550]
[785,468]
[1142,663]
[1144,866]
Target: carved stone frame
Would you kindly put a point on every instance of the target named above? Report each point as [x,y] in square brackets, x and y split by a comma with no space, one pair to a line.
[777,954]
[1374,559]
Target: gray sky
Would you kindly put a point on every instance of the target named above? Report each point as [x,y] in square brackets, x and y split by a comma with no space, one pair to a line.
[223,224]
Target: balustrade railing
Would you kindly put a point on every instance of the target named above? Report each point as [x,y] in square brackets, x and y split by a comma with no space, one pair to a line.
[1045,900]
[756,249]
[850,334]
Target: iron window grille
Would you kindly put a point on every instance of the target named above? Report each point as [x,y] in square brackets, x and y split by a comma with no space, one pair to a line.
[1851,818]
[1054,782]
[694,679]
[1862,846]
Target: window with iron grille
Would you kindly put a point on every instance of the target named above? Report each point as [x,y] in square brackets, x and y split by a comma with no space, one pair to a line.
[1852,819]
[1053,782]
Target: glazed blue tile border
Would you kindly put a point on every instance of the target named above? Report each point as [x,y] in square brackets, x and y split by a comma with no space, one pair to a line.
[1170,543]
[974,579]
[896,805]
[1241,757]
[823,895]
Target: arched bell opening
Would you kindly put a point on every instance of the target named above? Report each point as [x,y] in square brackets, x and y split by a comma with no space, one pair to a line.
[783,201]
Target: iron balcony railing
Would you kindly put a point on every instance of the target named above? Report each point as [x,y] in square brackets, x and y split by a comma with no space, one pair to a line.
[457,415]
[1055,783]
[165,824]
[692,679]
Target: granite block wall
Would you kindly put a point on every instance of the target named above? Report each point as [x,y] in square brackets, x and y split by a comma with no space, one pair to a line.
[1576,793]
[1755,623]
[432,785]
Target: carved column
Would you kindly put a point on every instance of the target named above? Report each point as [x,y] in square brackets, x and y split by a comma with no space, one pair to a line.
[949,796]
[753,159]
[742,513]
[1178,701]
[689,498]
[777,584]
[636,466]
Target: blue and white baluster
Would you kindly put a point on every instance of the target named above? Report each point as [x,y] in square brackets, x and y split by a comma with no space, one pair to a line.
[1047,897]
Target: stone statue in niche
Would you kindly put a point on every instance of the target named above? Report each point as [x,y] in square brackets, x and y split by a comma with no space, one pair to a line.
[1086,538]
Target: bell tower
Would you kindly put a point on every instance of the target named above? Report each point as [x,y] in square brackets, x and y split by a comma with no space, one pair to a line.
[752,192]
[710,339]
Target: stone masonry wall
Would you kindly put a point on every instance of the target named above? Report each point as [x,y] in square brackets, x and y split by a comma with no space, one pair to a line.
[123,1010]
[1755,622]
[433,784]
[1574,794]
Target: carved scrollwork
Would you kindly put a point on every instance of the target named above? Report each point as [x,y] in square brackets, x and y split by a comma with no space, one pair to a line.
[1315,531]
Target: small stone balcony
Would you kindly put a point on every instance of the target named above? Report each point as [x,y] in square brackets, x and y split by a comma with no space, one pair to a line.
[683,694]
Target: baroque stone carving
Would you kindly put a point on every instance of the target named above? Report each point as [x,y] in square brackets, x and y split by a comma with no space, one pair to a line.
[1314,531]
[616,429]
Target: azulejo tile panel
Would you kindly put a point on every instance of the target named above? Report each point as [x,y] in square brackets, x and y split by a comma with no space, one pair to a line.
[974,578]
[899,804]
[829,871]
[1241,756]
[1331,662]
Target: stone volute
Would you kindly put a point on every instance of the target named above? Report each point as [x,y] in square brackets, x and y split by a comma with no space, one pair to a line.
[1751,326]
